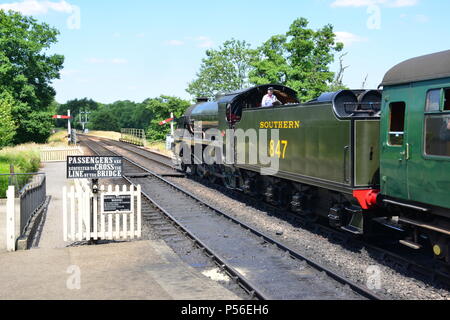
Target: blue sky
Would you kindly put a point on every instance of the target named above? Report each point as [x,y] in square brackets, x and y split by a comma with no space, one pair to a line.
[118,50]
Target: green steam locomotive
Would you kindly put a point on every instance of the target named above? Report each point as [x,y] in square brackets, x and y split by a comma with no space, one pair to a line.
[359,158]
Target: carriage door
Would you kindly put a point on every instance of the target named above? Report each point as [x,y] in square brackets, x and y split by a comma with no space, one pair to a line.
[395,147]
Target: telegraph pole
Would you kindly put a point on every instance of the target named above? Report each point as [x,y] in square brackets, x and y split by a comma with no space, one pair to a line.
[83,123]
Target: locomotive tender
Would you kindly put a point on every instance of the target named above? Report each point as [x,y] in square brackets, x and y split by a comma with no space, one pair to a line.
[359,158]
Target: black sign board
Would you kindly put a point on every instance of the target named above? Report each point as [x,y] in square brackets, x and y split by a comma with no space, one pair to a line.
[120,203]
[94,167]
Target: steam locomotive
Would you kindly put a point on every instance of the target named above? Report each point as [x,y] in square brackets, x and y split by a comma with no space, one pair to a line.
[359,158]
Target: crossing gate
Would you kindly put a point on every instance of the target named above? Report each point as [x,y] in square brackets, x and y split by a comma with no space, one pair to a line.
[85,217]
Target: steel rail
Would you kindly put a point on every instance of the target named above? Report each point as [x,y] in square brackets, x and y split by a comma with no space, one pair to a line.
[362,291]
[245,284]
[433,274]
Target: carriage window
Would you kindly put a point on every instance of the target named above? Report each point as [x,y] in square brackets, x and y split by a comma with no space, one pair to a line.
[433,100]
[437,135]
[397,124]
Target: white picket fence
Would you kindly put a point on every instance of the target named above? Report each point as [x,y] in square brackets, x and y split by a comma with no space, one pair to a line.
[53,154]
[79,224]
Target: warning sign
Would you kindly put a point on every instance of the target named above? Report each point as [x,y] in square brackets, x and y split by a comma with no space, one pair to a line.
[94,167]
[117,203]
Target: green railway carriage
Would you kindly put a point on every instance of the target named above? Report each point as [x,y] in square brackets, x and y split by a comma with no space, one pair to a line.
[415,140]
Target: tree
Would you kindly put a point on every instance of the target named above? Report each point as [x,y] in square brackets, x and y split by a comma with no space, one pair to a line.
[26,72]
[300,59]
[270,63]
[103,119]
[161,108]
[223,70]
[338,82]
[7,125]
[76,106]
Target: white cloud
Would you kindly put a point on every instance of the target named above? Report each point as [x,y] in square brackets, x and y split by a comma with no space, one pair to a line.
[200,41]
[348,38]
[35,7]
[175,43]
[204,42]
[421,18]
[366,3]
[119,61]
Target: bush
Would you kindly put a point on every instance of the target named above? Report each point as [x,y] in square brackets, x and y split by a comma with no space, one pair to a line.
[25,158]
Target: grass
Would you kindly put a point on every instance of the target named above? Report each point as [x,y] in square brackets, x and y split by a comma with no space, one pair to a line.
[58,138]
[159,146]
[25,158]
[105,134]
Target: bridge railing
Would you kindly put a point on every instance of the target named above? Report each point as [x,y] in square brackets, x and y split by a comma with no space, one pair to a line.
[54,154]
[133,136]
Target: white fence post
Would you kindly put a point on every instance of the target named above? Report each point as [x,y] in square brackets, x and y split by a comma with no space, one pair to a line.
[139,212]
[65,213]
[10,220]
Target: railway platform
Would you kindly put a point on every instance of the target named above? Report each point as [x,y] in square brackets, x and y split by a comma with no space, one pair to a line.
[137,270]
[140,270]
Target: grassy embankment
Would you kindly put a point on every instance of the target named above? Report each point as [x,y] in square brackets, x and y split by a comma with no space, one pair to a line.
[25,159]
[158,146]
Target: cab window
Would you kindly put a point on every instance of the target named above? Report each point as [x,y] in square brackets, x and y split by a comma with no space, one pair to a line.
[437,123]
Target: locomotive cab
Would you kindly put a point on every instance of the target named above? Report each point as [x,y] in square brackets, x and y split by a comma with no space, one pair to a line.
[237,102]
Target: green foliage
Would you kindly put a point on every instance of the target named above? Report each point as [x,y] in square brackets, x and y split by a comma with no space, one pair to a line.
[161,108]
[145,115]
[300,59]
[7,125]
[26,72]
[25,159]
[76,106]
[104,120]
[223,70]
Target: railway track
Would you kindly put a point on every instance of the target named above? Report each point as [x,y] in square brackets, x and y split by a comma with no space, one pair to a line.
[427,270]
[261,265]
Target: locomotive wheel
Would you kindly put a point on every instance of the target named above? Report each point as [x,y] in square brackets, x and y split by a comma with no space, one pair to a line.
[189,169]
[212,178]
[201,171]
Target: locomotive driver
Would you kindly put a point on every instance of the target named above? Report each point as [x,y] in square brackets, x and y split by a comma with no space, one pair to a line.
[270,99]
